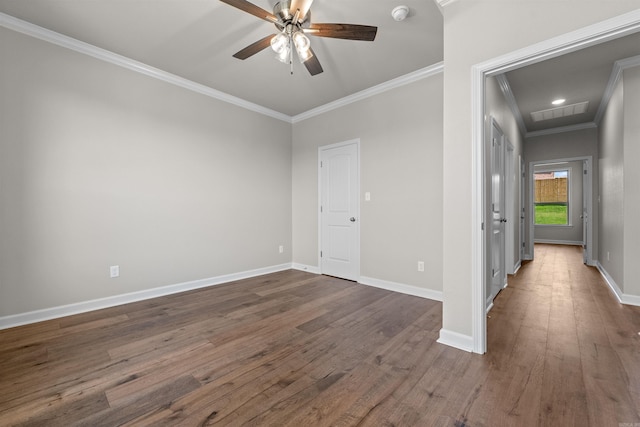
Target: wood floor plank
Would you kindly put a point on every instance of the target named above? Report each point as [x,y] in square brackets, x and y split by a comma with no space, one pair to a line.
[294,348]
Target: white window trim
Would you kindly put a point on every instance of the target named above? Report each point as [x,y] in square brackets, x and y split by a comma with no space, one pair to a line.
[569,203]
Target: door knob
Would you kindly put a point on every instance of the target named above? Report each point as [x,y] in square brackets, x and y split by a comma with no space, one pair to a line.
[352,219]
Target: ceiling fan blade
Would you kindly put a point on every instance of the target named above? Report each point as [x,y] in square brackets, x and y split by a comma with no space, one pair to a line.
[302,5]
[254,48]
[251,8]
[343,31]
[313,64]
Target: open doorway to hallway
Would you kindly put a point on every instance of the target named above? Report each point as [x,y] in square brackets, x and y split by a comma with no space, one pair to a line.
[530,122]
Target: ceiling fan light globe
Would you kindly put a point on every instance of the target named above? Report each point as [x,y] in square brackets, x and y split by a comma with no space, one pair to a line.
[279,43]
[301,41]
[304,55]
[283,56]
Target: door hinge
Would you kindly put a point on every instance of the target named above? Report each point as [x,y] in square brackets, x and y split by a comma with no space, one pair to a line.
[482,226]
[585,171]
[321,208]
[321,163]
[523,244]
[320,254]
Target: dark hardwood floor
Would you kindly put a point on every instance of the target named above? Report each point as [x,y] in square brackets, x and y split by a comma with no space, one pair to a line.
[292,348]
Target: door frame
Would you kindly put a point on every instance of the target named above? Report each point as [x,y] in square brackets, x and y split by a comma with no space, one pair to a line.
[587,197]
[522,176]
[489,209]
[591,35]
[322,148]
[510,214]
[587,201]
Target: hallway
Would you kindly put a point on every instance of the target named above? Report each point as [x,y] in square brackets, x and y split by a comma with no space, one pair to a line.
[563,350]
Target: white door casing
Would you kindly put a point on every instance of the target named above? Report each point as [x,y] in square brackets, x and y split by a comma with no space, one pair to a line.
[586,197]
[497,218]
[522,207]
[339,179]
[510,214]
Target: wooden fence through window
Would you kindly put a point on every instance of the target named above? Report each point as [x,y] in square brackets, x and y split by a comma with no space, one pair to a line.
[551,190]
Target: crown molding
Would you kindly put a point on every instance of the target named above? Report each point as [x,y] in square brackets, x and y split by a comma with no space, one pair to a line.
[618,67]
[374,90]
[44,34]
[29,29]
[503,82]
[561,129]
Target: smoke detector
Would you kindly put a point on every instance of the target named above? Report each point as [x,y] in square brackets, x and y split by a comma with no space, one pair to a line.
[399,13]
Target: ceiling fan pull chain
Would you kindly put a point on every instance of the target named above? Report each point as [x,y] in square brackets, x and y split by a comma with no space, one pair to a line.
[290,56]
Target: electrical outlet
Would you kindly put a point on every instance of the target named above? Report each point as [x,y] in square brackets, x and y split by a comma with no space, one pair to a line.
[280,249]
[114,271]
[367,196]
[420,265]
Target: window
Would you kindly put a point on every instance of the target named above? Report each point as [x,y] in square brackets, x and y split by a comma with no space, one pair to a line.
[552,197]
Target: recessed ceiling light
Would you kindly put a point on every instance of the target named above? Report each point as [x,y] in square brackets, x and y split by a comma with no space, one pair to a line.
[559,101]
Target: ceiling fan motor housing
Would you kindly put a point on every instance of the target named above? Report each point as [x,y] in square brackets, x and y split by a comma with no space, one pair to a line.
[282,10]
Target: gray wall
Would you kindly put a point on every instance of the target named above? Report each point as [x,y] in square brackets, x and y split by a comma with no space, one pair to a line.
[476,31]
[400,133]
[611,176]
[102,166]
[620,185]
[631,181]
[571,234]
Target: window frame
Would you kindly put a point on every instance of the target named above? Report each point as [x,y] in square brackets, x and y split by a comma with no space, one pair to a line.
[567,169]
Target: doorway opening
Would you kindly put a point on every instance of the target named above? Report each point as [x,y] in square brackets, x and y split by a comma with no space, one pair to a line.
[545,225]
[589,36]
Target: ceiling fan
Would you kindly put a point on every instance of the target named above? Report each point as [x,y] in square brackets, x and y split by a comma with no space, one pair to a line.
[292,18]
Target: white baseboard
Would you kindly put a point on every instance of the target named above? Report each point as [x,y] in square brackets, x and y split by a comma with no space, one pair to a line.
[97,304]
[489,307]
[615,289]
[455,339]
[631,299]
[517,267]
[559,242]
[402,288]
[304,267]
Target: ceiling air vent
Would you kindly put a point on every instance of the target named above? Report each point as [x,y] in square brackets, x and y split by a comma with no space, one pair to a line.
[564,111]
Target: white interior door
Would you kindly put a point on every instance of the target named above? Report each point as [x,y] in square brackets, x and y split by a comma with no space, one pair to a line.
[522,207]
[498,217]
[586,187]
[509,213]
[339,211]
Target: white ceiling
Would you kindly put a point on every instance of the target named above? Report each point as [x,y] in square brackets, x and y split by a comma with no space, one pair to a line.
[195,39]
